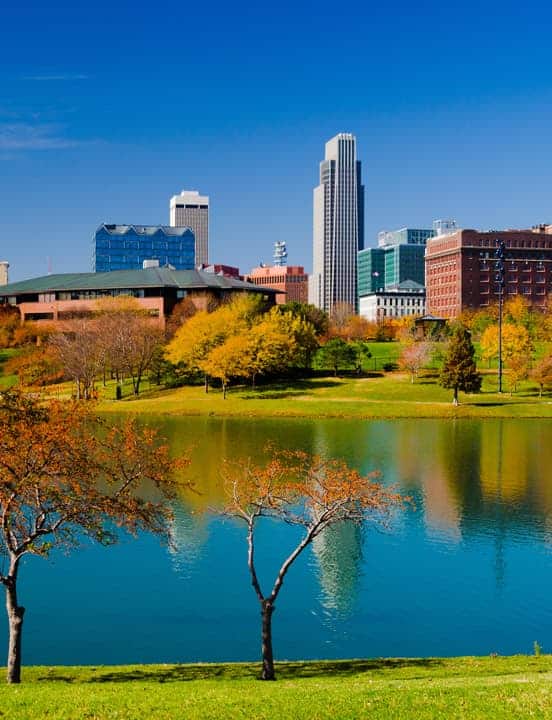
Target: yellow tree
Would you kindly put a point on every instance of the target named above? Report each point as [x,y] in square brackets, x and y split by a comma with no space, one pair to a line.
[519,368]
[310,492]
[229,360]
[200,334]
[542,373]
[515,342]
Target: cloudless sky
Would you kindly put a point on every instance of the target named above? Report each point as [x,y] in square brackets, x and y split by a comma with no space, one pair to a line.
[109,108]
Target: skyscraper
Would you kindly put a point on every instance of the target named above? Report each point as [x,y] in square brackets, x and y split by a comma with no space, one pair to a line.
[338,225]
[190,209]
[4,266]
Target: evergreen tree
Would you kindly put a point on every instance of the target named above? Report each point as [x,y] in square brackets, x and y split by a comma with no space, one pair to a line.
[459,370]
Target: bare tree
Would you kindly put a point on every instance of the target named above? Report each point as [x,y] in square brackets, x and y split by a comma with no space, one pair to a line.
[302,490]
[79,353]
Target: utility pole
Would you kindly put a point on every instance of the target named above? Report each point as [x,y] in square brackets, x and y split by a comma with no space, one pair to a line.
[500,270]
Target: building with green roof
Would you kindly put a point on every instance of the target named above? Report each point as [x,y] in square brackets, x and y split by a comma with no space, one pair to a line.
[158,289]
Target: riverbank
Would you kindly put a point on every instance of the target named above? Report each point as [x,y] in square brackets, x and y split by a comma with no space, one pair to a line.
[390,395]
[476,688]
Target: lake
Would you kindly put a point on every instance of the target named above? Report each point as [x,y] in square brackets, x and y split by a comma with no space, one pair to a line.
[468,570]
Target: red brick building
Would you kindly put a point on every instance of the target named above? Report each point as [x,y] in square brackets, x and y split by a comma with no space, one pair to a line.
[290,280]
[460,268]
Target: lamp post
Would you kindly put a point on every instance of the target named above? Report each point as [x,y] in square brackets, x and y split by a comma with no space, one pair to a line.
[499,277]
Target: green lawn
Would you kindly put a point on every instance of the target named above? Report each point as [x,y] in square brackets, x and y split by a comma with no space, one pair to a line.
[389,395]
[6,381]
[418,689]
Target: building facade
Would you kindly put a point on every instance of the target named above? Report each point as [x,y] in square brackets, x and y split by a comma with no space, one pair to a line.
[190,209]
[4,277]
[126,247]
[460,268]
[399,257]
[338,225]
[58,298]
[290,281]
[405,299]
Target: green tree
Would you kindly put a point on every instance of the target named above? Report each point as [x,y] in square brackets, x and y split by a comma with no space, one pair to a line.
[336,353]
[459,371]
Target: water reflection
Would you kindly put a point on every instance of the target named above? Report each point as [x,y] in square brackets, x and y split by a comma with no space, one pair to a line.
[466,476]
[338,554]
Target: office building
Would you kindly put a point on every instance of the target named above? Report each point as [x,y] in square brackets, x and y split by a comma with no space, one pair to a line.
[4,267]
[461,272]
[126,247]
[405,236]
[406,298]
[399,257]
[338,225]
[56,298]
[190,209]
[290,280]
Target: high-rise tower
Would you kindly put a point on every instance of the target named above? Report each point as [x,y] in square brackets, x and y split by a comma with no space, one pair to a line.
[190,209]
[338,225]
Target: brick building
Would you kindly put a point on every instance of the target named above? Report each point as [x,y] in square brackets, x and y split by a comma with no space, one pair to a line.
[460,268]
[290,280]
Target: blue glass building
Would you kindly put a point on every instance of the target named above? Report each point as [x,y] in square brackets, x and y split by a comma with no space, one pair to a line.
[125,247]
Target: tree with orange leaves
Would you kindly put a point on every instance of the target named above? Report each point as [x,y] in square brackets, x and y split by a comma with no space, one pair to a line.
[64,477]
[311,492]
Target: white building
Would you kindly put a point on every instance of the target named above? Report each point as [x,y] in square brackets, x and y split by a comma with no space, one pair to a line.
[190,209]
[4,266]
[406,298]
[338,225]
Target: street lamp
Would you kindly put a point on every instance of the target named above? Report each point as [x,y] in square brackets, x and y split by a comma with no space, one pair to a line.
[499,277]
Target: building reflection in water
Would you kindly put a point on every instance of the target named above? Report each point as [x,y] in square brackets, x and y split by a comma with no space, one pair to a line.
[338,556]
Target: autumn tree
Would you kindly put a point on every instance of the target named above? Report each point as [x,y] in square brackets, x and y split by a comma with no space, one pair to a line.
[519,369]
[128,339]
[229,360]
[542,373]
[414,357]
[459,370]
[10,320]
[79,354]
[310,492]
[63,477]
[310,314]
[201,333]
[515,342]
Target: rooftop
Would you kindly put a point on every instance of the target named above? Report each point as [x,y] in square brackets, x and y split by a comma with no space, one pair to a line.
[157,277]
[114,229]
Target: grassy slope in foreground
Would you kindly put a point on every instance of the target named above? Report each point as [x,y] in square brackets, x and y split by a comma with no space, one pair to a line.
[388,396]
[476,688]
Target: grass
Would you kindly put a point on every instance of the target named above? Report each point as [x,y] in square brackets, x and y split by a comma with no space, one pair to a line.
[6,381]
[476,688]
[377,396]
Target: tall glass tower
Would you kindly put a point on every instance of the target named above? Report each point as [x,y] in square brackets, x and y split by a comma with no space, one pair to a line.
[338,226]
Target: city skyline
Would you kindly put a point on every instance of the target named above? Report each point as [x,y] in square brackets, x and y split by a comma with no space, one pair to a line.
[91,130]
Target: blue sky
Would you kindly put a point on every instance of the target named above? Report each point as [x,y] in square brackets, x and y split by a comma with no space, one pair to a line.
[108,109]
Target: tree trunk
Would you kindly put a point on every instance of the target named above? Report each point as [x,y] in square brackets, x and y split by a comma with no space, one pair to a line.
[455,398]
[224,391]
[15,621]
[266,641]
[206,384]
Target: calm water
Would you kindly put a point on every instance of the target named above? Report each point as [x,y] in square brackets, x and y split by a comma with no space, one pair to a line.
[469,570]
